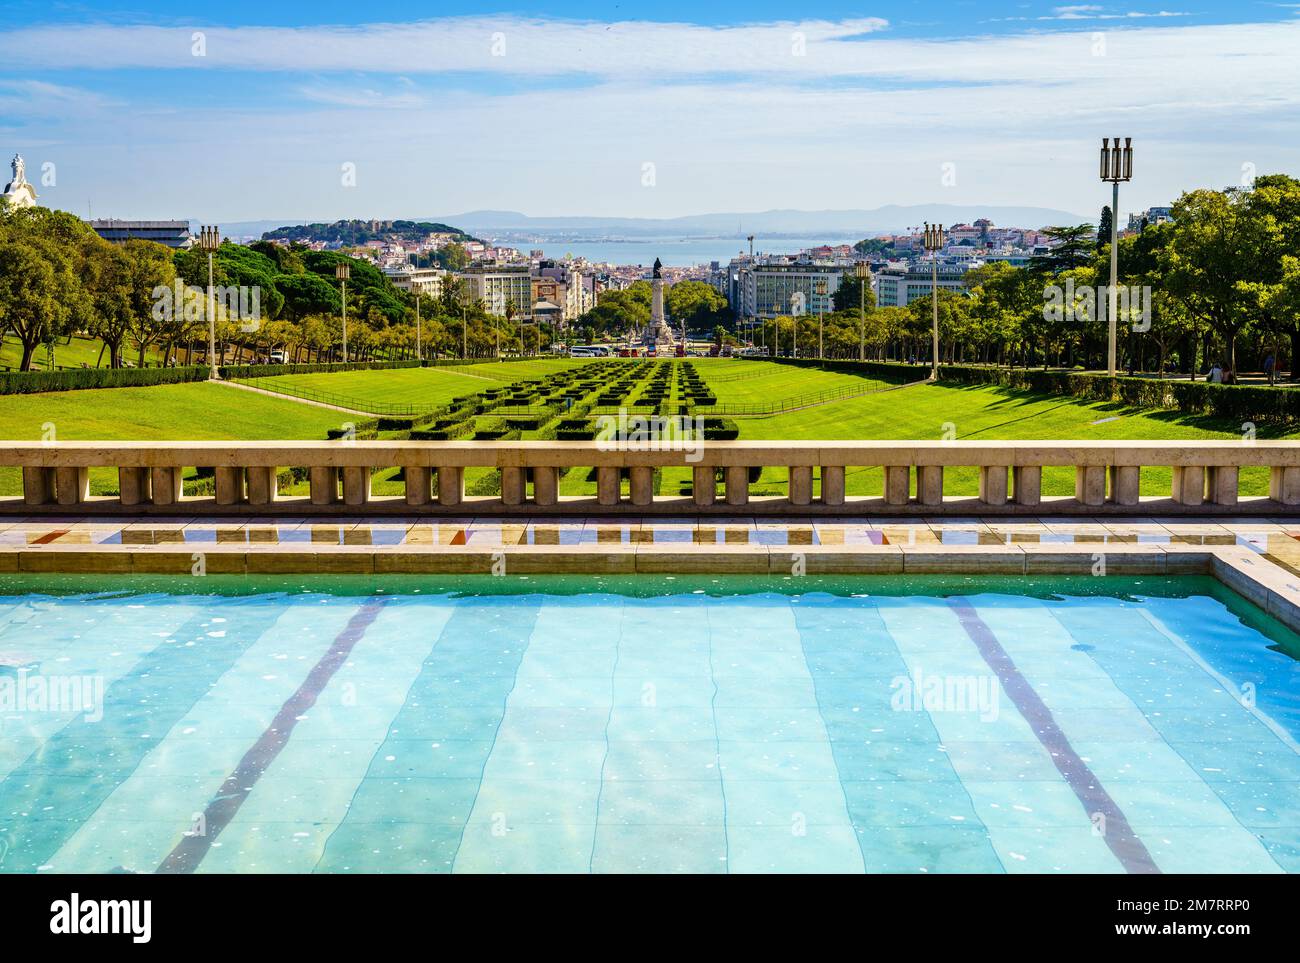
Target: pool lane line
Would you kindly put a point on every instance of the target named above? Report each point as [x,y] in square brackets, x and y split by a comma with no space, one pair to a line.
[1230,687]
[223,807]
[1118,834]
[609,716]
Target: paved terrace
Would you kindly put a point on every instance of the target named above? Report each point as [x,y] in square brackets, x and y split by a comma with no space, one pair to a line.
[913,526]
[1258,557]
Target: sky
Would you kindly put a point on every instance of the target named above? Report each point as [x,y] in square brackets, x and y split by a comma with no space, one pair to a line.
[247,111]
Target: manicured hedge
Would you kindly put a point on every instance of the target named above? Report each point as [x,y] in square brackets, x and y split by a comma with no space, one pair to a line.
[77,379]
[368,429]
[1235,403]
[270,370]
[720,429]
[575,429]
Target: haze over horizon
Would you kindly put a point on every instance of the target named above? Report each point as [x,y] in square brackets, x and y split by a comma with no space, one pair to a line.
[240,112]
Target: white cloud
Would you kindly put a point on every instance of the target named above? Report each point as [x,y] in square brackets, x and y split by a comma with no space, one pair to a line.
[504,44]
[37,98]
[1021,115]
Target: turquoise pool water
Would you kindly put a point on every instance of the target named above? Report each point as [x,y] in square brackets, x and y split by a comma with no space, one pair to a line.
[677,725]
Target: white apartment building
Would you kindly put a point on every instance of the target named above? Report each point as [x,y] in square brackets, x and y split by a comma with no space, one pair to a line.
[771,290]
[497,285]
[420,280]
[899,287]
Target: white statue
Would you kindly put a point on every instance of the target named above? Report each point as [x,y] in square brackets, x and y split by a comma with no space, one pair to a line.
[18,192]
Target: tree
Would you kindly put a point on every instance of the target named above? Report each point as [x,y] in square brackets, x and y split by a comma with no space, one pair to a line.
[453,257]
[108,281]
[1104,227]
[696,304]
[1070,247]
[1006,302]
[1274,208]
[1212,258]
[954,322]
[849,295]
[618,311]
[306,294]
[149,266]
[36,287]
[42,263]
[1140,267]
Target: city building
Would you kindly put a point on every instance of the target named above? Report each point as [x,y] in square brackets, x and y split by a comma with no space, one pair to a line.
[497,285]
[773,287]
[563,285]
[420,280]
[1151,216]
[897,287]
[173,234]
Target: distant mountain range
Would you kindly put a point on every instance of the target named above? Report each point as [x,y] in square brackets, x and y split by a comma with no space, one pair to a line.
[812,225]
[785,223]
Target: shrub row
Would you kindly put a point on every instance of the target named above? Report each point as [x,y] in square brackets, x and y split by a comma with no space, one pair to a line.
[1235,403]
[270,370]
[77,379]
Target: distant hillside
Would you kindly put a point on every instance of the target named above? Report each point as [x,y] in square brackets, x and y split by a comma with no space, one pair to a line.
[351,233]
[785,223]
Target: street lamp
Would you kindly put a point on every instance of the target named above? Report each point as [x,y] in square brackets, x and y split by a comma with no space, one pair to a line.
[1116,166]
[863,273]
[343,271]
[209,241]
[934,241]
[795,308]
[820,288]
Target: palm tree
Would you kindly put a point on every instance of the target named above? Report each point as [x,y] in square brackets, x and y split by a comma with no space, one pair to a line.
[512,309]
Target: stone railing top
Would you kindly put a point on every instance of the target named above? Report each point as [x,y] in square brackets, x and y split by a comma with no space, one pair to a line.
[149,454]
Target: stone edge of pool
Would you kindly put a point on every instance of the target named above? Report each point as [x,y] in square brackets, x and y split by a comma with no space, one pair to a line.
[1259,580]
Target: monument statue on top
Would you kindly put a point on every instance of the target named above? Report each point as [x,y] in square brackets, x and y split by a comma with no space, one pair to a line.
[657,333]
[18,192]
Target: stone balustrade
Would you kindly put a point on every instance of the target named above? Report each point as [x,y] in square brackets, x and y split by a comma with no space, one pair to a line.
[1205,475]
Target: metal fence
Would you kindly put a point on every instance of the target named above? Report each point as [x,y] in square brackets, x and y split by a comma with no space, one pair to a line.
[795,402]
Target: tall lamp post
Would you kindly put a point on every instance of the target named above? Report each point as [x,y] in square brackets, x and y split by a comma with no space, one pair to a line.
[934,238]
[209,241]
[862,273]
[752,317]
[794,327]
[419,352]
[343,271]
[1116,166]
[821,314]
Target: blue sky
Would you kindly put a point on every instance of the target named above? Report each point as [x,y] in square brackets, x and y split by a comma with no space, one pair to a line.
[241,111]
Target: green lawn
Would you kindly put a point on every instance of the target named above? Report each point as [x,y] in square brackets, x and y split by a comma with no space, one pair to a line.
[433,387]
[75,353]
[749,383]
[184,412]
[921,412]
[507,371]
